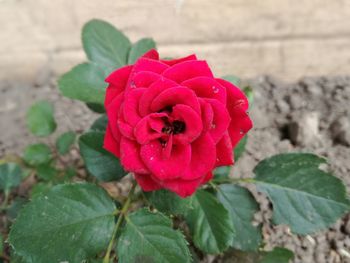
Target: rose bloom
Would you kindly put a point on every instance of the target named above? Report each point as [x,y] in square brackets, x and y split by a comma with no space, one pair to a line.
[171,122]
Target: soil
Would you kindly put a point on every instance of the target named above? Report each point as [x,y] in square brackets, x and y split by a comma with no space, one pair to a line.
[311,115]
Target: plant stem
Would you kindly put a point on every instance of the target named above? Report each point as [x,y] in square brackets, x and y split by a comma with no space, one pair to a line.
[122,214]
[234,180]
[4,203]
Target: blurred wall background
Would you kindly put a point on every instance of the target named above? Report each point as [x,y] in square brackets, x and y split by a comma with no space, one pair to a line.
[285,38]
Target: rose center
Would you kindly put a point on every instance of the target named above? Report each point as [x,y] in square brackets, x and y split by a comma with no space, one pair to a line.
[175,127]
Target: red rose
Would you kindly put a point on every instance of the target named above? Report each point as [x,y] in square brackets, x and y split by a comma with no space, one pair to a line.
[171,122]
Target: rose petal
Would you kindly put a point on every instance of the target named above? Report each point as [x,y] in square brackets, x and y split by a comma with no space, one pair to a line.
[183,188]
[193,123]
[144,79]
[130,156]
[206,88]
[149,128]
[188,70]
[203,158]
[131,105]
[110,143]
[113,112]
[146,182]
[207,114]
[221,119]
[152,54]
[146,64]
[224,151]
[174,96]
[172,62]
[207,178]
[152,92]
[163,169]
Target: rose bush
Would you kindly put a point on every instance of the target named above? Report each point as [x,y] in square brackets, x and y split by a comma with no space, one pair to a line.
[171,122]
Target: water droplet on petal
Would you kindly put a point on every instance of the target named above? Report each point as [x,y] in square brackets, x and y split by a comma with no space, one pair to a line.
[215,89]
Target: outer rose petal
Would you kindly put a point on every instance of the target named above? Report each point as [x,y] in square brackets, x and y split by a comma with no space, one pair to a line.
[146,64]
[130,156]
[207,114]
[206,87]
[146,182]
[113,112]
[183,188]
[203,158]
[221,119]
[224,151]
[152,54]
[144,79]
[110,143]
[172,62]
[207,178]
[131,106]
[117,80]
[166,168]
[188,70]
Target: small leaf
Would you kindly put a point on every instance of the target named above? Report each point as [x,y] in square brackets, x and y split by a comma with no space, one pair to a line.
[37,154]
[64,142]
[242,206]
[10,176]
[100,124]
[104,44]
[46,172]
[210,223]
[149,237]
[169,202]
[98,161]
[303,196]
[233,79]
[277,255]
[84,82]
[40,119]
[96,107]
[140,48]
[239,149]
[1,244]
[70,224]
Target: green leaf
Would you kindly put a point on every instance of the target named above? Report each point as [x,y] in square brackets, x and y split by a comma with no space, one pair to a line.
[84,82]
[140,48]
[98,161]
[233,79]
[37,154]
[15,207]
[239,149]
[149,237]
[46,172]
[95,107]
[10,176]
[303,196]
[169,202]
[40,119]
[40,189]
[210,223]
[277,255]
[64,142]
[104,44]
[242,206]
[70,224]
[1,244]
[222,172]
[248,91]
[100,124]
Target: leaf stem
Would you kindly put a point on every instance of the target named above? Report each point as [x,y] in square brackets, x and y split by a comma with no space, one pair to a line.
[5,202]
[234,180]
[122,214]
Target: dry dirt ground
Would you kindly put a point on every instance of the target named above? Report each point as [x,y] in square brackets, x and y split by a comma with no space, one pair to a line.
[310,115]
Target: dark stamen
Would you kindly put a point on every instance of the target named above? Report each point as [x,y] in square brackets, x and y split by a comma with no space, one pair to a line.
[178,127]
